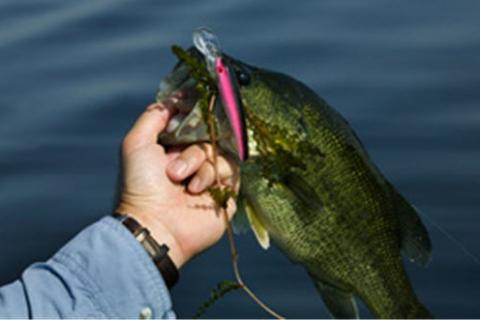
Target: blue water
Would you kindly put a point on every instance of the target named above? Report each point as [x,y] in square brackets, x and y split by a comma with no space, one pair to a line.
[74,75]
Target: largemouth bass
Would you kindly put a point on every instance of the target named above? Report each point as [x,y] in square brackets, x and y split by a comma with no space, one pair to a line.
[309,186]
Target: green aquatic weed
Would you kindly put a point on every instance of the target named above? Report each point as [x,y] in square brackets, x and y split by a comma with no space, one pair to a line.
[198,67]
[207,94]
[217,293]
[222,195]
[205,84]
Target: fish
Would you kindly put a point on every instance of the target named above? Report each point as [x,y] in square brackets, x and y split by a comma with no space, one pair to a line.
[309,186]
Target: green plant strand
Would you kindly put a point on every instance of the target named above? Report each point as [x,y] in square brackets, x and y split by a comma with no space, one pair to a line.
[208,93]
[198,68]
[217,293]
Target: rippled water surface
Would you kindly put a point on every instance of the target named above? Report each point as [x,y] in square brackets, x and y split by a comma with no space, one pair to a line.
[74,75]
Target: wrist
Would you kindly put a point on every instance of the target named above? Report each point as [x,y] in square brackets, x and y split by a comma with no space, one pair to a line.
[158,230]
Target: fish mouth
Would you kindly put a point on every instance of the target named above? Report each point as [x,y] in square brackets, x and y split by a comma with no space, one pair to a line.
[178,90]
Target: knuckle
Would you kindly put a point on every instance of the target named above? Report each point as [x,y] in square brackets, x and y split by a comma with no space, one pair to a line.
[206,169]
[130,142]
[127,143]
[197,153]
[207,149]
[227,167]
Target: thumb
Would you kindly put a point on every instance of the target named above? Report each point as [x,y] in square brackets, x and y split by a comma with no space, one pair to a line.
[148,126]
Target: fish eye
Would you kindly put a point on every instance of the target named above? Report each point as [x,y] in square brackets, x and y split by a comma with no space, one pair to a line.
[243,78]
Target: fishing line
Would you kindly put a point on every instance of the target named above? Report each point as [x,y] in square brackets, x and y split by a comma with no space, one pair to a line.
[452,238]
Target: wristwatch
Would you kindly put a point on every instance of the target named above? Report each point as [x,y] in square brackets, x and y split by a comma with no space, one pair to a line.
[158,253]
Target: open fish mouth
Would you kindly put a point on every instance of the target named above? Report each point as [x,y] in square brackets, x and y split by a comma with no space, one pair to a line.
[179,90]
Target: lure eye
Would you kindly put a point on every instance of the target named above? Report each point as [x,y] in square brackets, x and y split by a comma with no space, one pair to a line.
[243,78]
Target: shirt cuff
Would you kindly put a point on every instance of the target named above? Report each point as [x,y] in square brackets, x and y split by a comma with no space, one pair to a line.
[120,275]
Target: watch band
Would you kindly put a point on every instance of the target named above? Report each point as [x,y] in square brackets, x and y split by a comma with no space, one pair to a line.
[158,253]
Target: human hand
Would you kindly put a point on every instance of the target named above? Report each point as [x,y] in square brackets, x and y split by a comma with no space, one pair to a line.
[185,218]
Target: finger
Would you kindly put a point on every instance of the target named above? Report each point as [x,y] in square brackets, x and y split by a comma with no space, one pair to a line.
[205,176]
[232,181]
[228,171]
[174,152]
[189,161]
[231,208]
[147,127]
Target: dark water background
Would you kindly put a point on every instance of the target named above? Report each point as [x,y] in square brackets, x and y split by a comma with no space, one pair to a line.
[74,75]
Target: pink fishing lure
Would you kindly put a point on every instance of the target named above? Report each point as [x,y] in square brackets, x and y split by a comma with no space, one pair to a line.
[232,106]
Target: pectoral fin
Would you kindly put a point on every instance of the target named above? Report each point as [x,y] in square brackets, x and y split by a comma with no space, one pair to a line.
[297,190]
[340,304]
[303,191]
[257,225]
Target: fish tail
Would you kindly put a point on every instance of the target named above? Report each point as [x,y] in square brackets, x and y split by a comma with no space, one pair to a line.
[419,311]
[341,303]
[387,292]
[404,308]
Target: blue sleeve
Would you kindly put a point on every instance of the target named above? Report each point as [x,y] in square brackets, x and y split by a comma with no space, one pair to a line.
[102,273]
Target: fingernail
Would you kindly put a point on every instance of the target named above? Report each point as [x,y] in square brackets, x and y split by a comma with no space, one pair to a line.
[195,184]
[153,106]
[179,167]
[232,205]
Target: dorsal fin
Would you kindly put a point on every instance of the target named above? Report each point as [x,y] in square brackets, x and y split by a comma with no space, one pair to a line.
[415,241]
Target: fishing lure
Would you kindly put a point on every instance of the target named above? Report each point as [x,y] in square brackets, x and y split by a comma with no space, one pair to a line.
[207,43]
